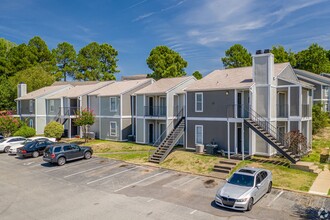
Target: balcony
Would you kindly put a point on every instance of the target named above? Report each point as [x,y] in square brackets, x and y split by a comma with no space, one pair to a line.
[69,111]
[306,111]
[155,111]
[282,110]
[237,111]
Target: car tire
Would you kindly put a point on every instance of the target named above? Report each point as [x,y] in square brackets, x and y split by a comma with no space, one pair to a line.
[6,149]
[61,161]
[250,204]
[269,187]
[88,155]
[35,154]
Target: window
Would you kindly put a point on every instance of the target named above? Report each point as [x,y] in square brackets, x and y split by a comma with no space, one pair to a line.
[51,105]
[198,102]
[31,106]
[57,149]
[259,178]
[113,128]
[325,91]
[31,123]
[199,134]
[67,148]
[113,104]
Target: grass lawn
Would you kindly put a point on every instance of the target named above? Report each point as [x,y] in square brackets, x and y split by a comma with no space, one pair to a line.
[285,177]
[133,157]
[190,162]
[320,141]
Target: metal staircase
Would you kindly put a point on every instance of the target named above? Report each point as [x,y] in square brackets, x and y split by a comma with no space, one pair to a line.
[166,146]
[58,117]
[270,134]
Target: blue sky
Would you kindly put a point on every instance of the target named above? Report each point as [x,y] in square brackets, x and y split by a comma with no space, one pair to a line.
[200,30]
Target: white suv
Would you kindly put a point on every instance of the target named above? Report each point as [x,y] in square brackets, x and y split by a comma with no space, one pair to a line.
[6,143]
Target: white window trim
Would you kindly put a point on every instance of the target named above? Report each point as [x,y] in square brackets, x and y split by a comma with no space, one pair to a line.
[113,135]
[51,105]
[116,109]
[31,106]
[202,101]
[202,129]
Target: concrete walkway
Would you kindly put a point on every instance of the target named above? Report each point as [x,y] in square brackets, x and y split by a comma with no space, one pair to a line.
[321,184]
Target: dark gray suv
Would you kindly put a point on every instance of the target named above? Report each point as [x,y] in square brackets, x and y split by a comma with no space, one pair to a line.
[62,153]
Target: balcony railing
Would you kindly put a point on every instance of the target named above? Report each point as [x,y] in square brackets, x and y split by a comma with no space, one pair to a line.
[69,111]
[159,111]
[282,110]
[237,111]
[306,110]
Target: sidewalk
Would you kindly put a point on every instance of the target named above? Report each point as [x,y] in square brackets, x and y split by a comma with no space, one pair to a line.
[321,184]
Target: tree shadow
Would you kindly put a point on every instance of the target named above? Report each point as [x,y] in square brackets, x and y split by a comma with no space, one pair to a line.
[312,213]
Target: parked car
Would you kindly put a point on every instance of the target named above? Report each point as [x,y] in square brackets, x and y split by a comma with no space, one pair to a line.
[1,137]
[34,148]
[244,188]
[13,149]
[61,153]
[7,143]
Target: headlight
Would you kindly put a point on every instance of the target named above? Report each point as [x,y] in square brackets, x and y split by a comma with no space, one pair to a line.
[241,200]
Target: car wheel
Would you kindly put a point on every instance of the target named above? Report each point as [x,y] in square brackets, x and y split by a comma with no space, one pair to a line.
[35,154]
[269,187]
[250,204]
[6,149]
[61,161]
[88,155]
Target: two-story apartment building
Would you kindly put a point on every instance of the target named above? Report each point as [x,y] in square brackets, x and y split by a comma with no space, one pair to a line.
[113,106]
[31,107]
[62,106]
[321,84]
[158,106]
[249,110]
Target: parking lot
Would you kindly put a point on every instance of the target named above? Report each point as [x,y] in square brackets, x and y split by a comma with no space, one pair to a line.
[103,188]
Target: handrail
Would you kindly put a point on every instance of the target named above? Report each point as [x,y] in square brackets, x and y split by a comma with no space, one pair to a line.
[178,117]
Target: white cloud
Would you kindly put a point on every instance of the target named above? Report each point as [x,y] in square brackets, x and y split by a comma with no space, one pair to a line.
[141,17]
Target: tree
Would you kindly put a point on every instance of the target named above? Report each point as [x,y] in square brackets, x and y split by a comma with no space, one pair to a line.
[42,54]
[236,56]
[5,47]
[283,56]
[54,130]
[197,75]
[7,94]
[84,118]
[97,62]
[8,124]
[166,63]
[319,118]
[65,56]
[25,131]
[20,58]
[313,59]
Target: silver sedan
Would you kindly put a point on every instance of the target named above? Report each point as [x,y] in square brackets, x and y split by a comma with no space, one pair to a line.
[244,188]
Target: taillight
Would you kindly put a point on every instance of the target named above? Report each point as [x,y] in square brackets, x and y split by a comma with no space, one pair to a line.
[52,156]
[23,151]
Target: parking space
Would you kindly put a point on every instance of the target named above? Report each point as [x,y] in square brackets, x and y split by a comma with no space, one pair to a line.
[153,187]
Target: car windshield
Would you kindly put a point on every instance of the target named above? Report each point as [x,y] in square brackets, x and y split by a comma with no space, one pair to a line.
[241,180]
[27,141]
[2,140]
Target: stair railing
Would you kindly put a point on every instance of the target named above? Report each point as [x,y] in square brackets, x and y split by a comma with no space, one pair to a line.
[169,128]
[58,116]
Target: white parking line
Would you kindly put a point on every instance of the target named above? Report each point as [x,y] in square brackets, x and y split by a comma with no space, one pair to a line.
[84,171]
[193,212]
[70,165]
[150,200]
[115,174]
[278,195]
[182,184]
[157,174]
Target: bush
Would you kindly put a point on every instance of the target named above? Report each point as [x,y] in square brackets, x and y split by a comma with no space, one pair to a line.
[8,124]
[54,130]
[25,131]
[320,118]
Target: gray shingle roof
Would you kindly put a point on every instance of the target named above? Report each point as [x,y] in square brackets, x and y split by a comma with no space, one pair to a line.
[42,92]
[164,85]
[313,77]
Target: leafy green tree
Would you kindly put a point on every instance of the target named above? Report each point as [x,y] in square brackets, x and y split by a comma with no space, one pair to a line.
[319,118]
[313,59]
[197,75]
[5,47]
[236,56]
[42,54]
[283,56]
[97,62]
[7,94]
[8,124]
[20,58]
[85,119]
[54,130]
[65,56]
[166,63]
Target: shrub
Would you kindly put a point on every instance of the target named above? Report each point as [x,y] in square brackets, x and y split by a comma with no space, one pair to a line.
[25,131]
[8,124]
[54,130]
[320,118]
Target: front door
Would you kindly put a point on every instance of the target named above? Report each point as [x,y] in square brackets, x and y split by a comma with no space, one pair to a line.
[239,140]
[151,133]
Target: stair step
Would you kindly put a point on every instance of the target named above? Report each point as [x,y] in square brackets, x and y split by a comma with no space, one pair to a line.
[231,162]
[225,167]
[153,160]
[221,170]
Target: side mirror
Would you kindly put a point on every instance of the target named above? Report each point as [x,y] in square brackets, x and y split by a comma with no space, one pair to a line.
[258,185]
